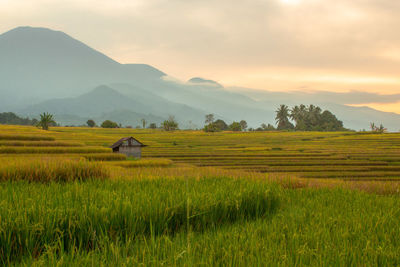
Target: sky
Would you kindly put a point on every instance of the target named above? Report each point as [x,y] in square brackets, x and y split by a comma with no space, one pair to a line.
[279,45]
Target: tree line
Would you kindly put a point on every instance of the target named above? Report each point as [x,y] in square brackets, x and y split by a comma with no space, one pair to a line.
[13,119]
[307,118]
[299,118]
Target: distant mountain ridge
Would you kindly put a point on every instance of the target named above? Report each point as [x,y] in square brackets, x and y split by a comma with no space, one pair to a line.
[45,70]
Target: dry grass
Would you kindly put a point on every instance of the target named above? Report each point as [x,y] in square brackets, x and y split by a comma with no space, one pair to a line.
[40,143]
[51,170]
[104,157]
[144,163]
[52,150]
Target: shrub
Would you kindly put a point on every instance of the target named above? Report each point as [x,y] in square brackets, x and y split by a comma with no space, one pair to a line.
[91,123]
[235,126]
[109,124]
[170,124]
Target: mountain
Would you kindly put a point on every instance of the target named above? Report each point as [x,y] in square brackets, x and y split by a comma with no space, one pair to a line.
[106,102]
[45,70]
[38,64]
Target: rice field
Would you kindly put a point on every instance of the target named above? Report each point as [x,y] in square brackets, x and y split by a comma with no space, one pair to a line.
[198,199]
[346,155]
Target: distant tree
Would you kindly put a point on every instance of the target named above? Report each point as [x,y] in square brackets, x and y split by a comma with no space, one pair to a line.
[282,118]
[312,118]
[268,127]
[221,125]
[153,125]
[235,126]
[144,122]
[46,119]
[91,123]
[329,122]
[380,129]
[109,124]
[170,124]
[372,126]
[209,118]
[12,118]
[212,127]
[216,126]
[243,125]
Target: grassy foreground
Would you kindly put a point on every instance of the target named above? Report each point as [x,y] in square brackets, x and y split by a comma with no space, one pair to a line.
[312,227]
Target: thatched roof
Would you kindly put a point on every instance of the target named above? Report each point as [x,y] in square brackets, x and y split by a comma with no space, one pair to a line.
[135,141]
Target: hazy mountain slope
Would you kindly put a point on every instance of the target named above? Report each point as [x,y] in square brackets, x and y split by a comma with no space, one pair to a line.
[161,106]
[102,99]
[38,64]
[124,117]
[360,117]
[105,100]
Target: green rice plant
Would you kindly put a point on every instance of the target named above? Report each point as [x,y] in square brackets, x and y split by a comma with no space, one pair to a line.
[51,171]
[80,216]
[26,137]
[105,157]
[312,227]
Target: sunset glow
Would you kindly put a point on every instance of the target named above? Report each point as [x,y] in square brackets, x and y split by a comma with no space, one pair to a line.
[278,45]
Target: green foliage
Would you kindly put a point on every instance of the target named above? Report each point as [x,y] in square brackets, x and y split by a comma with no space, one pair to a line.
[220,124]
[153,126]
[235,126]
[91,123]
[109,124]
[12,119]
[170,124]
[282,118]
[312,118]
[214,126]
[46,119]
[243,125]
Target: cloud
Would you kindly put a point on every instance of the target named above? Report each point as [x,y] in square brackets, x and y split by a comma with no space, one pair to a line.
[238,41]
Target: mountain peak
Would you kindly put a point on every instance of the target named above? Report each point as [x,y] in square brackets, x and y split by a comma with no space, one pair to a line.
[201,81]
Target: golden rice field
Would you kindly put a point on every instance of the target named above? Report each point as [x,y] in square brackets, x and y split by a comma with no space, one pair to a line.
[198,199]
[345,156]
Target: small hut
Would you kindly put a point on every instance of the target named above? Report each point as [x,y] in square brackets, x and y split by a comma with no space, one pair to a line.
[128,146]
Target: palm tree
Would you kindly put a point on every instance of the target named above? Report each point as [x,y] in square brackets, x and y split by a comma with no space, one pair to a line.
[45,120]
[295,113]
[282,118]
[372,126]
